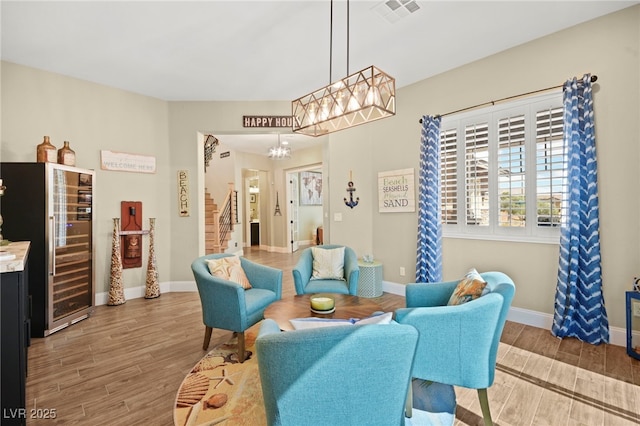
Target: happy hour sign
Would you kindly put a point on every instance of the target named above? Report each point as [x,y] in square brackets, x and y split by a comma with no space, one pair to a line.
[396,191]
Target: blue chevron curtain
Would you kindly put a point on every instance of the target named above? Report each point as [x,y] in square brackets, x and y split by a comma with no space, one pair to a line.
[429,254]
[579,304]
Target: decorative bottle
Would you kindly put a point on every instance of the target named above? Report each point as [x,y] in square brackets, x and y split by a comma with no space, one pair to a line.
[116,288]
[152,288]
[66,155]
[46,153]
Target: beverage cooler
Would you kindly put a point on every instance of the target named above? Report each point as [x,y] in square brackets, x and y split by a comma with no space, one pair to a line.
[51,206]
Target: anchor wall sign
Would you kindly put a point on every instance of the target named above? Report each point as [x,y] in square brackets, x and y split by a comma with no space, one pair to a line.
[350,190]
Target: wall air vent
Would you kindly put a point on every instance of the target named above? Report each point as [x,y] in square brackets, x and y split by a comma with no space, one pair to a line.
[393,10]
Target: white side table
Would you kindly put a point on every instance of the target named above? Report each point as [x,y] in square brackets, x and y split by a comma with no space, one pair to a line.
[370,281]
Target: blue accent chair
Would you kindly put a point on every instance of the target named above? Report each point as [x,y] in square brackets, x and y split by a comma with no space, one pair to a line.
[304,268]
[458,345]
[346,375]
[226,305]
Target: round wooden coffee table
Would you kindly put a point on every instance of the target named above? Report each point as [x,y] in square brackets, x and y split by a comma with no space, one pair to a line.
[299,306]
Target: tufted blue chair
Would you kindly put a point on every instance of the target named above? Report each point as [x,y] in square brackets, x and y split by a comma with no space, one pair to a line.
[343,375]
[304,268]
[458,345]
[226,305]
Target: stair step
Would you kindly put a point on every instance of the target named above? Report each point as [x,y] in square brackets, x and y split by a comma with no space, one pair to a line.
[212,227]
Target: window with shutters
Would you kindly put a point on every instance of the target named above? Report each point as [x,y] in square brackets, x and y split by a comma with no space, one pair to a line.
[449,176]
[551,167]
[503,171]
[476,173]
[511,171]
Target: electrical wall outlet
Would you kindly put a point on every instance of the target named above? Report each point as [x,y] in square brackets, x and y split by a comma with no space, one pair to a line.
[402,272]
[636,309]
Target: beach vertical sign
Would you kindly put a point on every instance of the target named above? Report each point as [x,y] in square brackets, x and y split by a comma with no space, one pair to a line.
[183,193]
[396,191]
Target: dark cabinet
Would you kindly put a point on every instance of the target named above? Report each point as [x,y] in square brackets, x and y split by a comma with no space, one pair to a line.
[255,233]
[51,206]
[633,324]
[14,301]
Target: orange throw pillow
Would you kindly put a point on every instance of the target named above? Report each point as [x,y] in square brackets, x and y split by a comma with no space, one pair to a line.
[469,288]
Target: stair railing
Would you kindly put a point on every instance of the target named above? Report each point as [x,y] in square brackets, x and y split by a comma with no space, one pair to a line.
[224,218]
[227,215]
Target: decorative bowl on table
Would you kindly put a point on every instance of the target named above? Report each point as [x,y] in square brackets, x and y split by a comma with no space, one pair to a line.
[322,304]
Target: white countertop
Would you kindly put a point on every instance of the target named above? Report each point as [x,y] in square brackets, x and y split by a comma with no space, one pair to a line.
[18,249]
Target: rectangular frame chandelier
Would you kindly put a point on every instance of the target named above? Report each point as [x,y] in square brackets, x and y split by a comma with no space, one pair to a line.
[362,97]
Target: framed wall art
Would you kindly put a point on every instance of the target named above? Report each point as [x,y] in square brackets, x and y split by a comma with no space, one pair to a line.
[396,191]
[310,188]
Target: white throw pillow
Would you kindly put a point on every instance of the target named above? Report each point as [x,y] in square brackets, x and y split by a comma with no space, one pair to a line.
[328,264]
[229,268]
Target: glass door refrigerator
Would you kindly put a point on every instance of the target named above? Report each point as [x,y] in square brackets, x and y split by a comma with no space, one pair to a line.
[51,206]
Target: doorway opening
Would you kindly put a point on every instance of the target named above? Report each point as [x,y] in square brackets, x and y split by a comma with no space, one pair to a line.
[262,190]
[304,206]
[255,207]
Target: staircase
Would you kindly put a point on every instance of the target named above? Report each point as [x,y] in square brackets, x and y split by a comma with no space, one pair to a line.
[218,224]
[211,230]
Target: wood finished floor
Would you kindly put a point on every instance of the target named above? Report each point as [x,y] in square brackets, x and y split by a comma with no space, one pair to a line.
[124,364]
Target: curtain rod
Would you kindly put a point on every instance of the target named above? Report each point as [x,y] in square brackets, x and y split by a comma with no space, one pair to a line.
[594,78]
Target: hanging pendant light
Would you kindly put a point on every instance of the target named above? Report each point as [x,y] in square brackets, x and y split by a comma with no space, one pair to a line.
[280,151]
[359,98]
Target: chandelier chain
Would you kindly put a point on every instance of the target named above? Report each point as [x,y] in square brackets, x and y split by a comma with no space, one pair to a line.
[348,19]
[331,40]
[362,97]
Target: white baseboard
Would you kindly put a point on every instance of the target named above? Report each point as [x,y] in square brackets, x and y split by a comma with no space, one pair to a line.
[183,286]
[393,288]
[272,249]
[618,335]
[138,292]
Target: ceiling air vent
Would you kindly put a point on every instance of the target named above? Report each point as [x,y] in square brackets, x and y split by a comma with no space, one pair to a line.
[394,10]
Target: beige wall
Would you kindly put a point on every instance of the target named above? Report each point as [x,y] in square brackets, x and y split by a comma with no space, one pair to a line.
[93,117]
[607,47]
[187,119]
[309,220]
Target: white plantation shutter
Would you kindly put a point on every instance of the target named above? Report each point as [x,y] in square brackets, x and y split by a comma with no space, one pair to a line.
[551,167]
[449,176]
[502,165]
[511,171]
[477,173]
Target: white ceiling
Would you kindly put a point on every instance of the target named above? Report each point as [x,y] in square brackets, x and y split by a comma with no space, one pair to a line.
[266,50]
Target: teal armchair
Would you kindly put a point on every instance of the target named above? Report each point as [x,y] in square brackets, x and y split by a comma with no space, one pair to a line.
[458,345]
[226,305]
[304,268]
[347,375]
